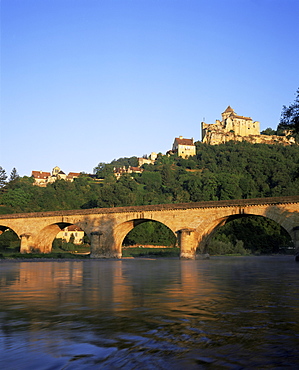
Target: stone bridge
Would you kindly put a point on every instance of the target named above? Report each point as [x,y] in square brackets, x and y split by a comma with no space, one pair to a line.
[193,223]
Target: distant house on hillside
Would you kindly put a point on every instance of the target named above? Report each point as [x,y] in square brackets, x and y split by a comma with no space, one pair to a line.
[40,177]
[68,231]
[43,178]
[183,147]
[72,175]
[147,160]
[119,171]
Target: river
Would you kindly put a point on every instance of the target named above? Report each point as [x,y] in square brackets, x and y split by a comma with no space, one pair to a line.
[225,312]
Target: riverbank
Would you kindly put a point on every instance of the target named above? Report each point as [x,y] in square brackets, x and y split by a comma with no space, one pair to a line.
[127,253]
[146,257]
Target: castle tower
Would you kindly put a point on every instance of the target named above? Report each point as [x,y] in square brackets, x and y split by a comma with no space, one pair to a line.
[228,111]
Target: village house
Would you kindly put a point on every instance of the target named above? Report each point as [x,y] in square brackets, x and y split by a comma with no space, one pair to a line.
[43,178]
[67,232]
[119,171]
[147,160]
[183,147]
[40,177]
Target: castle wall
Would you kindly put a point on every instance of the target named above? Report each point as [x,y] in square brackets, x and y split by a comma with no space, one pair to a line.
[238,128]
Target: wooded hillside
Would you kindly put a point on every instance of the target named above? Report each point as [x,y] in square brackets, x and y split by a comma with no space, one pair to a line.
[228,171]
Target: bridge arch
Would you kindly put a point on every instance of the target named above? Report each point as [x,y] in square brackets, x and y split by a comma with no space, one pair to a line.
[9,239]
[4,227]
[124,228]
[42,241]
[215,225]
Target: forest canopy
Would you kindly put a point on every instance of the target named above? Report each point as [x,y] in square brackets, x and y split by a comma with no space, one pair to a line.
[235,170]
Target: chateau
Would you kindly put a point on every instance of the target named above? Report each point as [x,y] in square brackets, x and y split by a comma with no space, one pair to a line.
[238,128]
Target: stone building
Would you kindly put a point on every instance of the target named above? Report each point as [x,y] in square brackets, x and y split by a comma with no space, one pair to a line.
[183,147]
[238,128]
[230,123]
[119,171]
[43,178]
[40,177]
[69,231]
[148,160]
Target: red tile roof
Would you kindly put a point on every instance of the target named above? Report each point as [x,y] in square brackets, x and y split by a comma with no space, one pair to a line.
[40,174]
[184,141]
[135,169]
[72,228]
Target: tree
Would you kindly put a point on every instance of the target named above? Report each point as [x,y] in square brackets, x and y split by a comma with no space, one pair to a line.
[17,199]
[269,131]
[3,177]
[104,171]
[127,162]
[72,238]
[289,119]
[151,180]
[13,175]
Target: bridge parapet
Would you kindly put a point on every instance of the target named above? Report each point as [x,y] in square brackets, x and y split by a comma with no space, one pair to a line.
[160,207]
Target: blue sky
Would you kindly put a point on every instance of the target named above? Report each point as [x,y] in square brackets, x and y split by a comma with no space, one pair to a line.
[89,81]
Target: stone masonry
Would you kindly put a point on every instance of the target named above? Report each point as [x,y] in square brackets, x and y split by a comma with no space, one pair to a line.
[192,223]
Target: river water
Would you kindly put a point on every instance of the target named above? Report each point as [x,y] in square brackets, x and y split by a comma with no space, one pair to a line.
[226,313]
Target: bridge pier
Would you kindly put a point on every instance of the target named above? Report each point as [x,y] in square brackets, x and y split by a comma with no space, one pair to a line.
[101,246]
[187,242]
[25,243]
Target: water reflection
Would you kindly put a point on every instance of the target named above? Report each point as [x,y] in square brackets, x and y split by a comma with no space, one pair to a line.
[226,312]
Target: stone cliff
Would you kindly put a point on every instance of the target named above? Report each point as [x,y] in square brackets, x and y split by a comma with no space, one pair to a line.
[218,136]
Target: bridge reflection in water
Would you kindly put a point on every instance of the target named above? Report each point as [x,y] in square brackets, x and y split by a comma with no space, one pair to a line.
[193,223]
[224,312]
[110,285]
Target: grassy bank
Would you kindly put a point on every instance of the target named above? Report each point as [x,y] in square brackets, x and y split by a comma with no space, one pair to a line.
[53,255]
[130,252]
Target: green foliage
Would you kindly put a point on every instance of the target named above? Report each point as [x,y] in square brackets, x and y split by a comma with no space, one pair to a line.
[16,199]
[220,247]
[289,119]
[150,233]
[72,238]
[127,162]
[70,247]
[13,175]
[269,131]
[104,170]
[151,180]
[9,241]
[3,177]
[52,255]
[57,244]
[257,234]
[227,171]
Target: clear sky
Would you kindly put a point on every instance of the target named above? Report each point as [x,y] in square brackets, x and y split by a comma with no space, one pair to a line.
[89,81]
